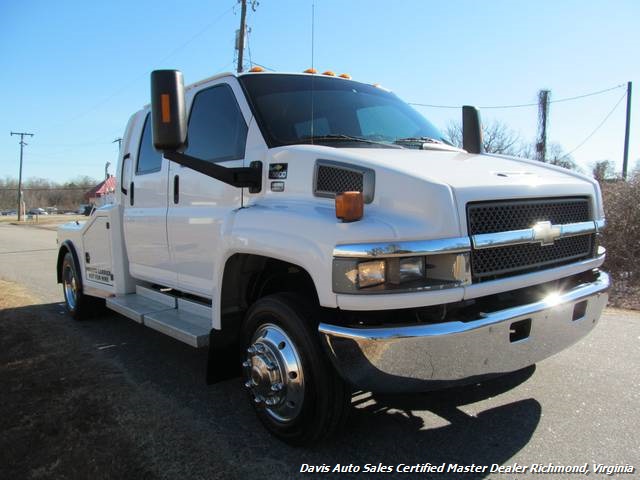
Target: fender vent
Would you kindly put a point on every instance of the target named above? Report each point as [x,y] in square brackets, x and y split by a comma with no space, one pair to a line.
[333,177]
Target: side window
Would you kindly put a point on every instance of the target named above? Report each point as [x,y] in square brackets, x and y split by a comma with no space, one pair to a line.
[217,130]
[149,160]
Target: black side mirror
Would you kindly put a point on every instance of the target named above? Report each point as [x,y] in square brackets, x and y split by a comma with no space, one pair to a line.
[471,130]
[168,110]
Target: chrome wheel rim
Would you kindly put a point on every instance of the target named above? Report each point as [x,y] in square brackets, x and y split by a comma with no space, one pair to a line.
[273,373]
[70,287]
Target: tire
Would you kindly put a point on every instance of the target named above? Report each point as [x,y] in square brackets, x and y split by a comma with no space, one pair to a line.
[78,304]
[294,389]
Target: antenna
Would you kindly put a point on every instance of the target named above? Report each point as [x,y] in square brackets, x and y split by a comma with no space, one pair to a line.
[313,21]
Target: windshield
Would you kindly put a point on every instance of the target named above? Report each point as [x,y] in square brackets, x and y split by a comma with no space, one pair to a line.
[344,112]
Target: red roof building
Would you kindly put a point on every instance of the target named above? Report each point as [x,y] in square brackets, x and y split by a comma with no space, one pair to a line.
[102,193]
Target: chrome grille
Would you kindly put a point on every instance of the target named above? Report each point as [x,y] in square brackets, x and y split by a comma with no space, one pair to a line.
[492,217]
[503,216]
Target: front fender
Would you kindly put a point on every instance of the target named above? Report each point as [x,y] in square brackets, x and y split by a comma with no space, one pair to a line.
[301,233]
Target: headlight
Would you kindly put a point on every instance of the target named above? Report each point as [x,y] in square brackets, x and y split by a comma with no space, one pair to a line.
[400,274]
[371,273]
[407,269]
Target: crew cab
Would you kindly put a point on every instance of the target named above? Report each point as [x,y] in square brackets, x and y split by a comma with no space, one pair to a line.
[317,235]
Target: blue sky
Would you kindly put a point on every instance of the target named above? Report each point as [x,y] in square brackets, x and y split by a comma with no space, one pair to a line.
[74,71]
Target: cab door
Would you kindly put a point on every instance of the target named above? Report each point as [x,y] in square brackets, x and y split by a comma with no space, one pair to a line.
[145,214]
[199,205]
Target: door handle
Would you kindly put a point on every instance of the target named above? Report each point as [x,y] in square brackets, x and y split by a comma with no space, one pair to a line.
[131,192]
[176,189]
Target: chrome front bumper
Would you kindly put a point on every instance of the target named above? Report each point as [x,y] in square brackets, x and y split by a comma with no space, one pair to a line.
[431,356]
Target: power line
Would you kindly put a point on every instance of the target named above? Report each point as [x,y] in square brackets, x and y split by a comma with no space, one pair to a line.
[521,105]
[264,66]
[598,127]
[169,55]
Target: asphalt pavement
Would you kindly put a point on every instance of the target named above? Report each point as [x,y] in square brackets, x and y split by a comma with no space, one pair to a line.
[580,406]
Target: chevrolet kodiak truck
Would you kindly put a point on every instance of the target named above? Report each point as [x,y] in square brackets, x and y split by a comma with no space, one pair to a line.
[317,234]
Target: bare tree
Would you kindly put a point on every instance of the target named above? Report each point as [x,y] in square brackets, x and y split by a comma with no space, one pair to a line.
[557,156]
[496,138]
[499,138]
[40,192]
[603,170]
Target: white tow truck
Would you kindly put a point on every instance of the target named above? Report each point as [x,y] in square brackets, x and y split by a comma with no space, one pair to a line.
[317,234]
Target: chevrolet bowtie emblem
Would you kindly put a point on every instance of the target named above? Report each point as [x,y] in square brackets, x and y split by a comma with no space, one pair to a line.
[546,233]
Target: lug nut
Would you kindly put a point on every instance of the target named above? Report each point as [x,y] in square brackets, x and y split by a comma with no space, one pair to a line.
[258,399]
[251,350]
[276,387]
[246,363]
[271,401]
[249,383]
[271,366]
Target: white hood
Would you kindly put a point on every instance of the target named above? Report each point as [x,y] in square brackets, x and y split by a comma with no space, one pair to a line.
[480,177]
[418,191]
[462,170]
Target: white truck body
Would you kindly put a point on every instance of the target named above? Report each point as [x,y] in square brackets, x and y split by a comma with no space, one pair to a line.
[165,257]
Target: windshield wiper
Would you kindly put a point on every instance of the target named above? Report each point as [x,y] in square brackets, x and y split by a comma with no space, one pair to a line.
[339,137]
[400,141]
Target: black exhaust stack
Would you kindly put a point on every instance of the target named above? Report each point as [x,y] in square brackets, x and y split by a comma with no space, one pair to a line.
[471,129]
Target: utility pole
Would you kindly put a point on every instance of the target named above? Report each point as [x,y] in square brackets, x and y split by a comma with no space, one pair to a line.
[241,34]
[22,144]
[544,98]
[625,158]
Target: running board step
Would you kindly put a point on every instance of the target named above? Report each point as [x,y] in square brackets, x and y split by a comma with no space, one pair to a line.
[184,320]
[190,323]
[136,307]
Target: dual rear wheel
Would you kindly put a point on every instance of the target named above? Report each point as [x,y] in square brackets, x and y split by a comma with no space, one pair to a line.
[79,305]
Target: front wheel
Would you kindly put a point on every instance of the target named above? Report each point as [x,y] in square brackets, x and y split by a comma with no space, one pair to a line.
[295,391]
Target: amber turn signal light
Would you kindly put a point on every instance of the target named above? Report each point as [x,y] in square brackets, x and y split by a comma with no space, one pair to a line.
[310,70]
[329,73]
[256,69]
[349,206]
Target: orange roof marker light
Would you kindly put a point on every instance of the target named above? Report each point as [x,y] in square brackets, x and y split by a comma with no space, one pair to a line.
[310,70]
[256,69]
[329,73]
[345,75]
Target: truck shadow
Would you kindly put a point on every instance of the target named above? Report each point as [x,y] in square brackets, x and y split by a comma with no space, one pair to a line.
[435,428]
[462,425]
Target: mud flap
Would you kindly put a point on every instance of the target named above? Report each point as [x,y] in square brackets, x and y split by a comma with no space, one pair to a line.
[225,359]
